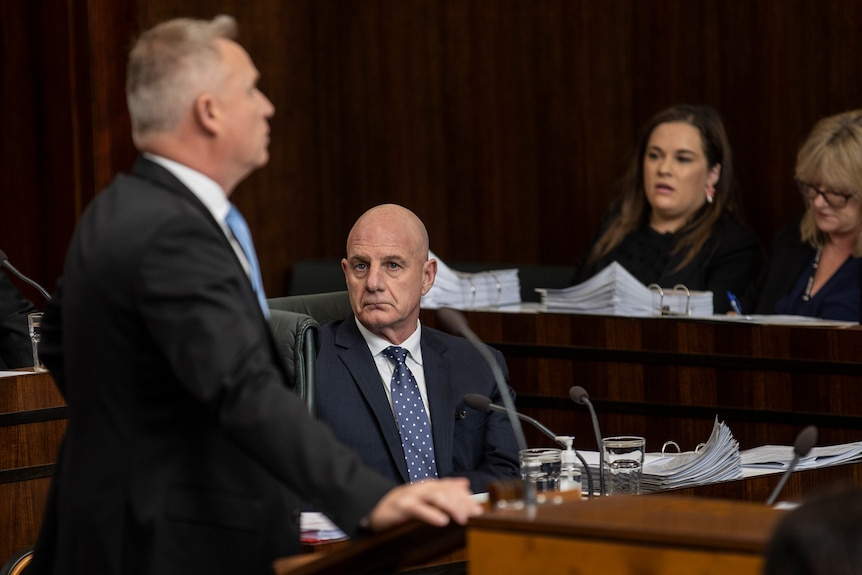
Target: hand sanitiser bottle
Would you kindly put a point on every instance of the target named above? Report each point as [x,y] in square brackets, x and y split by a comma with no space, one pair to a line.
[570,469]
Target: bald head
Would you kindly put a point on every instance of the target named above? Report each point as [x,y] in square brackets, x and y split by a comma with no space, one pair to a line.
[387,270]
[392,219]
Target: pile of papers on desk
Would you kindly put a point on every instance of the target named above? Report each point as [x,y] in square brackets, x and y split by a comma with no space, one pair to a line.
[460,290]
[615,291]
[315,527]
[780,456]
[717,460]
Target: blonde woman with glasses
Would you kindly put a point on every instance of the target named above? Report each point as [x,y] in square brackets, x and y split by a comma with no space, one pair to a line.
[814,268]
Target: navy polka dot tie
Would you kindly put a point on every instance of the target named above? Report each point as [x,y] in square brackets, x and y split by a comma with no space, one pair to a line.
[412,420]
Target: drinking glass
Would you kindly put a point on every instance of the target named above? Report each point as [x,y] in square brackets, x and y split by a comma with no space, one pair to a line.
[34,326]
[541,468]
[623,467]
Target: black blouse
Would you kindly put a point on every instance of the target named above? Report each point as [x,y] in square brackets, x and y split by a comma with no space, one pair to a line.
[728,261]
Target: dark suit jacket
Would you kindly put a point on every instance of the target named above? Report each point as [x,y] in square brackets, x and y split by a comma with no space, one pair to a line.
[185,452]
[468,443]
[15,348]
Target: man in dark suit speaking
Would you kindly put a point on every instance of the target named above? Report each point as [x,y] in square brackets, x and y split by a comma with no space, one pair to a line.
[392,388]
[186,451]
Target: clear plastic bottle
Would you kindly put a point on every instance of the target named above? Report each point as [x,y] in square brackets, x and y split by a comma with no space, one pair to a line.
[570,468]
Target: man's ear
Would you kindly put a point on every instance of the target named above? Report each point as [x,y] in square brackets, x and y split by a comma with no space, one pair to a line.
[429,273]
[206,113]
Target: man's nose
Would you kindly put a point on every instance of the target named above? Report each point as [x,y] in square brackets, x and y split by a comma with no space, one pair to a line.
[373,280]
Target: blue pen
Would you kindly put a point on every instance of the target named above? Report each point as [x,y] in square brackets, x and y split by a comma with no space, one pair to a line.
[734,303]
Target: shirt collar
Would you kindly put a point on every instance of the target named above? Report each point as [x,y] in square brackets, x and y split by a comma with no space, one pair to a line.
[203,187]
[377,344]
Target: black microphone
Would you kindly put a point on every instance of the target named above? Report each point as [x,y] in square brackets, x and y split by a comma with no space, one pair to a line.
[457,323]
[482,403]
[580,396]
[803,444]
[4,261]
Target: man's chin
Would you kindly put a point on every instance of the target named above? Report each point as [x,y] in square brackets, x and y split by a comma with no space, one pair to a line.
[375,315]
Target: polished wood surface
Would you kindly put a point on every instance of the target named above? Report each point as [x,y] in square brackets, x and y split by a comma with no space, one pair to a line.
[668,379]
[503,124]
[403,547]
[623,535]
[801,485]
[612,535]
[32,423]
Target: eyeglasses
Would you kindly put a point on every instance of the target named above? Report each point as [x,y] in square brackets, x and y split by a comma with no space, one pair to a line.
[833,198]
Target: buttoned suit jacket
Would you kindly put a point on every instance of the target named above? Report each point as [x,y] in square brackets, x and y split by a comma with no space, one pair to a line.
[468,443]
[185,451]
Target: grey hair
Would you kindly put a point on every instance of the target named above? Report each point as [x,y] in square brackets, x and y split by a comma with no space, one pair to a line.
[169,66]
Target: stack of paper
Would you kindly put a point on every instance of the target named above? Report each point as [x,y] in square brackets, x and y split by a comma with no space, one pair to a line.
[316,527]
[462,290]
[615,291]
[780,456]
[718,460]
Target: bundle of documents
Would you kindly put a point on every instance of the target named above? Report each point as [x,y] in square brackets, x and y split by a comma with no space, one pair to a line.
[780,456]
[615,291]
[462,290]
[717,460]
[315,527]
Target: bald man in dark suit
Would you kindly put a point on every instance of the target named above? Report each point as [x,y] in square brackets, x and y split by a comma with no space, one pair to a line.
[388,270]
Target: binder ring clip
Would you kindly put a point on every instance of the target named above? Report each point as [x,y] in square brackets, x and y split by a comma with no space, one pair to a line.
[499,289]
[681,288]
[472,293]
[662,309]
[670,444]
[699,447]
[678,289]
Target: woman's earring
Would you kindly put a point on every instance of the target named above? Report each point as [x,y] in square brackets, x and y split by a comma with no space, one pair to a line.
[710,191]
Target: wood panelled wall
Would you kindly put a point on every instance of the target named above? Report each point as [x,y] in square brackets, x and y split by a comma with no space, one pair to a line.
[502,123]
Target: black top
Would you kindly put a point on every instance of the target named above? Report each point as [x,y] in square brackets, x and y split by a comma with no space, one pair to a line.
[15,348]
[785,277]
[728,261]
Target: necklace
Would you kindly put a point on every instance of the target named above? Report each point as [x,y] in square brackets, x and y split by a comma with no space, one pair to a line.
[807,295]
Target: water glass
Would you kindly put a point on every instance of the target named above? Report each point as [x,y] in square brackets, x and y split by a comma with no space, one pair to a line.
[540,467]
[623,465]
[34,326]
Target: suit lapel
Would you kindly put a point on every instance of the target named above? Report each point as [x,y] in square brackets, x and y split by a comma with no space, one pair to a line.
[163,178]
[441,399]
[357,359]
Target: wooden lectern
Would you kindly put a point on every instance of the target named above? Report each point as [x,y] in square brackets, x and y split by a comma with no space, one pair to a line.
[623,535]
[640,535]
[32,423]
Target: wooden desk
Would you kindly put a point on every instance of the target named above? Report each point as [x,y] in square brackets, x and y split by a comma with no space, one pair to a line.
[612,535]
[800,486]
[32,423]
[623,535]
[666,378]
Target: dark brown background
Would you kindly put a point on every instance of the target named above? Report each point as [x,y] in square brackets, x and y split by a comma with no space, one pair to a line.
[503,124]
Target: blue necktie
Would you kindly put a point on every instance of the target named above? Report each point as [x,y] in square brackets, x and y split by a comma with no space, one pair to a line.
[412,420]
[239,227]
